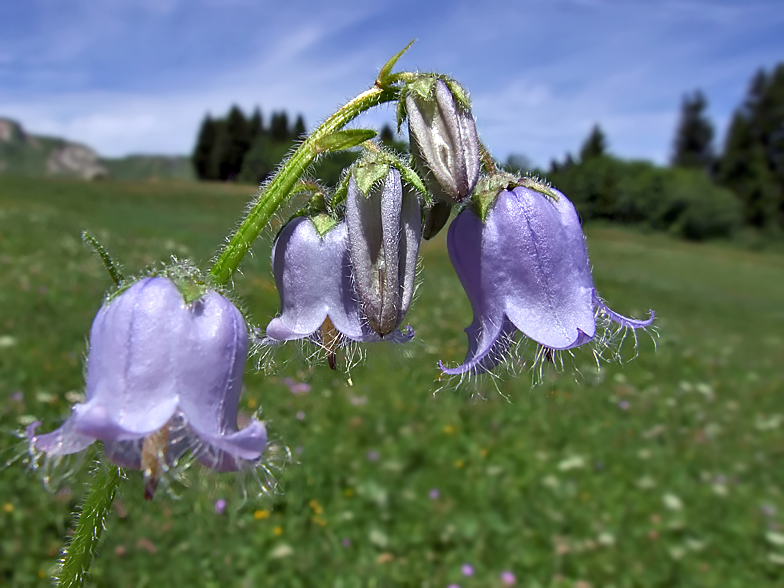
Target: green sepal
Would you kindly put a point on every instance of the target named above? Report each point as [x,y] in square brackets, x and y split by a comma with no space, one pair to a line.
[423,85]
[400,112]
[341,191]
[540,185]
[458,92]
[383,78]
[323,223]
[488,188]
[114,269]
[374,167]
[409,176]
[188,281]
[345,139]
[369,172]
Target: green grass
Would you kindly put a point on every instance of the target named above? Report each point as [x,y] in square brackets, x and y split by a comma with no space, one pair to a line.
[557,483]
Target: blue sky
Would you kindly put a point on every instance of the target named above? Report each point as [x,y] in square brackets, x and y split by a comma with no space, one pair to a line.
[137,76]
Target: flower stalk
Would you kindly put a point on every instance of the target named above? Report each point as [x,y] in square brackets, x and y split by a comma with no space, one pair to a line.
[281,185]
[79,553]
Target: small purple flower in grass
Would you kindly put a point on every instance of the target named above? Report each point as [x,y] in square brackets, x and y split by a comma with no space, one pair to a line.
[525,267]
[508,578]
[296,387]
[163,378]
[434,494]
[220,506]
[468,570]
[315,284]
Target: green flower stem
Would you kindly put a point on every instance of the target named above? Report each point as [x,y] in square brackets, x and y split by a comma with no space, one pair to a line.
[281,185]
[79,553]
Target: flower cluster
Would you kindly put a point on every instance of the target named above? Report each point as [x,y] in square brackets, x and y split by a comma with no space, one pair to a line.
[167,353]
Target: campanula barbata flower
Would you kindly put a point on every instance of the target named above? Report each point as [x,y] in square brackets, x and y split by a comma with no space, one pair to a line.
[444,143]
[384,230]
[525,267]
[163,378]
[314,278]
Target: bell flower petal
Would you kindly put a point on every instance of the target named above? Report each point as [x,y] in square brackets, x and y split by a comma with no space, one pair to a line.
[158,364]
[315,282]
[525,268]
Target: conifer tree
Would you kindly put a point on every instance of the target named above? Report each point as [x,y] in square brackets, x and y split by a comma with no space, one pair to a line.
[595,145]
[299,128]
[236,144]
[694,136]
[752,164]
[205,143]
[255,125]
[279,126]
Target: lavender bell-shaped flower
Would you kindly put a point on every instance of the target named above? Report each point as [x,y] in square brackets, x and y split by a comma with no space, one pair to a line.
[444,143]
[163,377]
[384,230]
[525,267]
[314,279]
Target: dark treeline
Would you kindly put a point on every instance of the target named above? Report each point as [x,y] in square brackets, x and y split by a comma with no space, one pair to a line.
[244,149]
[240,148]
[704,193]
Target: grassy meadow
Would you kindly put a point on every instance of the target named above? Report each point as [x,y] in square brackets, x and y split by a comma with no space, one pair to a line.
[664,471]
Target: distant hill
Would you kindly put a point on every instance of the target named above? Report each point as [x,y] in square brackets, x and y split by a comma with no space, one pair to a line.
[38,156]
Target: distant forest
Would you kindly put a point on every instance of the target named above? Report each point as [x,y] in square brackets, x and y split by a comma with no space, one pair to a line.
[705,192]
[245,149]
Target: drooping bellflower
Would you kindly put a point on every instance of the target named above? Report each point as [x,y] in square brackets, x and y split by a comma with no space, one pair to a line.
[384,230]
[525,267]
[444,143]
[314,279]
[163,378]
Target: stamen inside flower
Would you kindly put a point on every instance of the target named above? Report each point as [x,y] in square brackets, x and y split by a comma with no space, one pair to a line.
[154,449]
[330,339]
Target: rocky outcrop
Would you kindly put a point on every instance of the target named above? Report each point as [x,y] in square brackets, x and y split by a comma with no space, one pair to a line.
[10,131]
[38,156]
[75,159]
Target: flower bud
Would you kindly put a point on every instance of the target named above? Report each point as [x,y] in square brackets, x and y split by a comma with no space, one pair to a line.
[384,230]
[444,143]
[163,377]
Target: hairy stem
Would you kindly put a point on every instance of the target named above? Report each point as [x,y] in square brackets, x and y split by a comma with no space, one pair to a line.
[79,553]
[281,185]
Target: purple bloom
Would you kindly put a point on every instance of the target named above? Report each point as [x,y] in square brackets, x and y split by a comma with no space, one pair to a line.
[623,405]
[384,229]
[444,143]
[296,387]
[163,377]
[508,578]
[373,455]
[525,268]
[434,494]
[314,280]
[468,570]
[220,506]
[346,542]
